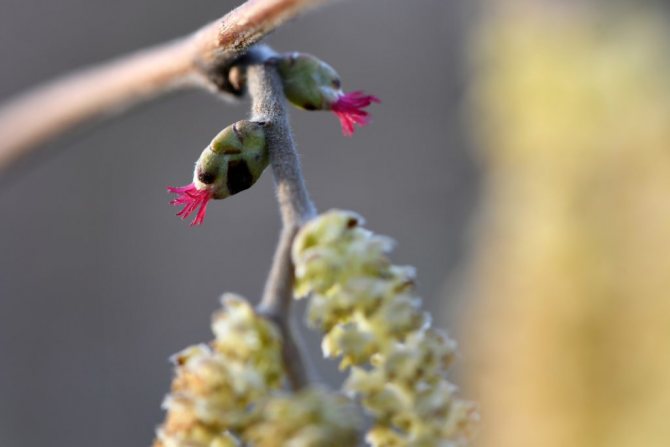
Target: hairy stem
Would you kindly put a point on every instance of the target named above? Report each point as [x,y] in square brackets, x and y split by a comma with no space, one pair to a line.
[269,106]
[46,112]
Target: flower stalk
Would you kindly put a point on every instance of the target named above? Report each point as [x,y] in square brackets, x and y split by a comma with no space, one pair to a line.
[295,206]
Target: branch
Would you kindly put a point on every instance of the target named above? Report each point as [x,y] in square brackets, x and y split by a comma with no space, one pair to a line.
[269,106]
[46,112]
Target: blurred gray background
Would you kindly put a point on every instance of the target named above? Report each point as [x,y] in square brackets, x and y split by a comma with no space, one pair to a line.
[100,282]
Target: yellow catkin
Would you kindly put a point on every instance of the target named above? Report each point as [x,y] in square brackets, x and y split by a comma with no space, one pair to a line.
[216,385]
[231,391]
[372,319]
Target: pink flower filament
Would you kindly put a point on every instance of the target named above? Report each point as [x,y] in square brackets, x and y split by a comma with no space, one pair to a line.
[191,198]
[349,110]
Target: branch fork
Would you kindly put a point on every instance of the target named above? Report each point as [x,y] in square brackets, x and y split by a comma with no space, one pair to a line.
[114,86]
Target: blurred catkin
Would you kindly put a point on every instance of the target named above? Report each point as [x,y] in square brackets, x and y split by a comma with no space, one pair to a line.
[570,280]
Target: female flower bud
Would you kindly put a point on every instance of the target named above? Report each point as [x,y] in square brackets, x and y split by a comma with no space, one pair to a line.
[232,162]
[312,84]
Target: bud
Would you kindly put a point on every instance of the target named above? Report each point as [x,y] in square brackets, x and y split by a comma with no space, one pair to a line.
[233,162]
[311,84]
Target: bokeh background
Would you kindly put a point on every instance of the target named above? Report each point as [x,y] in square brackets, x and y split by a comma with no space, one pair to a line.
[521,158]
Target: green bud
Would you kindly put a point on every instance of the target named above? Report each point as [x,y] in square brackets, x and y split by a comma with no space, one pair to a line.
[309,83]
[233,161]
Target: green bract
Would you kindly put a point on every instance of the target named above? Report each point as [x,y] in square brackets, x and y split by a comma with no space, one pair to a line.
[233,161]
[309,82]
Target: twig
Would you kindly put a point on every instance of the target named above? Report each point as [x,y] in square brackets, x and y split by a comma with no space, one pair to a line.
[269,106]
[52,109]
[193,61]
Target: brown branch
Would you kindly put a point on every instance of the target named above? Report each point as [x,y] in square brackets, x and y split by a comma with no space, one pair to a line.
[52,109]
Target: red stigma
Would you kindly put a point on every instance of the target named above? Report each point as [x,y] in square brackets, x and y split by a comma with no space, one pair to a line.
[192,198]
[349,110]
